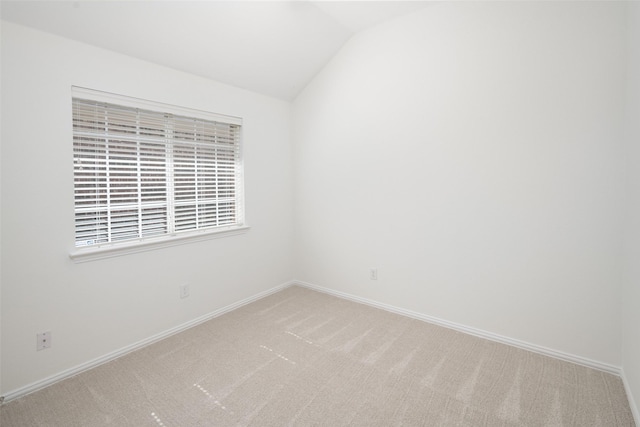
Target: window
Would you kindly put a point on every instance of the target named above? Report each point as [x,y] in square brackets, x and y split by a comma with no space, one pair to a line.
[145,171]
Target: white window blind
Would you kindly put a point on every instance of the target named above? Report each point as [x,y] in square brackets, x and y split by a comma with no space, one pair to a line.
[140,173]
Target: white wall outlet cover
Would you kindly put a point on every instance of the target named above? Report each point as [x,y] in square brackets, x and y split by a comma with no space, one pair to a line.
[43,340]
[184,291]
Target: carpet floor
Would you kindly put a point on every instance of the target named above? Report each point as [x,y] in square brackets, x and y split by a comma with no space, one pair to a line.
[304,358]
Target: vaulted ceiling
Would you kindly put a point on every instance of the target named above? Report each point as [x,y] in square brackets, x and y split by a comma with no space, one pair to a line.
[271,47]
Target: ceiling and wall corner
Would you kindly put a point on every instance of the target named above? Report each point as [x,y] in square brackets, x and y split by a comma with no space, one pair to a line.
[270,47]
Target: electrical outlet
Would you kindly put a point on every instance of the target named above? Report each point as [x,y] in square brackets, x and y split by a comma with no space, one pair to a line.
[373,274]
[43,340]
[184,291]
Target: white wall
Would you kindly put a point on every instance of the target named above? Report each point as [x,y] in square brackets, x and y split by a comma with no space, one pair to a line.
[99,307]
[0,214]
[631,292]
[472,152]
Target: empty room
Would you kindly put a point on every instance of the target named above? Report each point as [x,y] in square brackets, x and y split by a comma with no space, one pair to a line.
[320,213]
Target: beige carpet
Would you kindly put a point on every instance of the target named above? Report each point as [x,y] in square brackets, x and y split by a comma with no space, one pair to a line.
[303,358]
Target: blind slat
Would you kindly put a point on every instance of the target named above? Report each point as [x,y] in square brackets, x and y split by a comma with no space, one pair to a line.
[141,173]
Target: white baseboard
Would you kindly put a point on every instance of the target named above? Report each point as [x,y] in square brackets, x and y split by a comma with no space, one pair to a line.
[632,402]
[30,388]
[615,370]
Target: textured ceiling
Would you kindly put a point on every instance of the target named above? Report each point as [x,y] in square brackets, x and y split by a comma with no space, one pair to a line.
[271,47]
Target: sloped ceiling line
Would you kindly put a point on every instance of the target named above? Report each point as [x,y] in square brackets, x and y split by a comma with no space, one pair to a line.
[227,41]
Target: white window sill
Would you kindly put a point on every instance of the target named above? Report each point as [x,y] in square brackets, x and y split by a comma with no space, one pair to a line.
[93,253]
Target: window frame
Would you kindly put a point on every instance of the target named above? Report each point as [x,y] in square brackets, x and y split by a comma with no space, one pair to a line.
[140,244]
